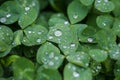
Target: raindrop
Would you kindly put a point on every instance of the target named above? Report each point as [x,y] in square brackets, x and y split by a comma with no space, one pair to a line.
[98,67]
[98,1]
[64,46]
[66,22]
[38,40]
[118,70]
[51,63]
[33,4]
[56,58]
[76,74]
[0,27]
[3,20]
[58,33]
[104,24]
[50,37]
[106,0]
[29,32]
[39,32]
[72,45]
[51,55]
[90,39]
[75,16]
[27,8]
[86,64]
[8,15]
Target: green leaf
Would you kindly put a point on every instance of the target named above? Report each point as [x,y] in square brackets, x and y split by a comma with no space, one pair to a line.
[18,36]
[105,38]
[73,72]
[34,35]
[23,69]
[9,13]
[95,67]
[47,74]
[1,70]
[29,13]
[77,11]
[104,21]
[79,58]
[49,55]
[116,11]
[116,27]
[104,5]
[87,2]
[98,55]
[114,52]
[60,33]
[117,69]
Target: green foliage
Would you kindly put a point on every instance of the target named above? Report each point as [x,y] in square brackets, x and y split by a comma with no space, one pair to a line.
[59,39]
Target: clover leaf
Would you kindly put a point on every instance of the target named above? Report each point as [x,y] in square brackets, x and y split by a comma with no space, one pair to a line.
[49,55]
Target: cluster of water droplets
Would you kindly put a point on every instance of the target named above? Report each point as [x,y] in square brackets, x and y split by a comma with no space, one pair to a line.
[96,69]
[4,19]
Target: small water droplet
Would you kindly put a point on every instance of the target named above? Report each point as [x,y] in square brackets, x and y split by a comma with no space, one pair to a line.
[98,67]
[76,74]
[8,15]
[104,24]
[75,16]
[27,8]
[51,55]
[56,58]
[90,39]
[118,70]
[51,63]
[72,45]
[29,32]
[38,40]
[33,3]
[58,33]
[106,0]
[66,22]
[0,27]
[50,37]
[39,32]
[64,46]
[3,20]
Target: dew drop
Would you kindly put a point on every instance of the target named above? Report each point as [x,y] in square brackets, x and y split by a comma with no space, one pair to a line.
[8,15]
[66,22]
[72,45]
[29,32]
[39,32]
[27,8]
[51,63]
[118,70]
[0,27]
[51,55]
[50,37]
[3,20]
[38,40]
[76,74]
[58,33]
[90,39]
[75,16]
[56,58]
[64,46]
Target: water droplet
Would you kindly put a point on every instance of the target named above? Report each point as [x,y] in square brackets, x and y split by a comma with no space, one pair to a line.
[98,1]
[50,37]
[39,32]
[72,45]
[90,39]
[98,67]
[106,0]
[29,32]
[3,20]
[51,63]
[8,15]
[76,74]
[38,40]
[104,24]
[51,55]
[66,22]
[56,58]
[27,8]
[86,64]
[58,33]
[33,3]
[118,70]
[75,16]
[0,27]
[64,46]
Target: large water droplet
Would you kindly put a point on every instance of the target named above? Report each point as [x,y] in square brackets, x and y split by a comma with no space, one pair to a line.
[58,33]
[76,74]
[3,20]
